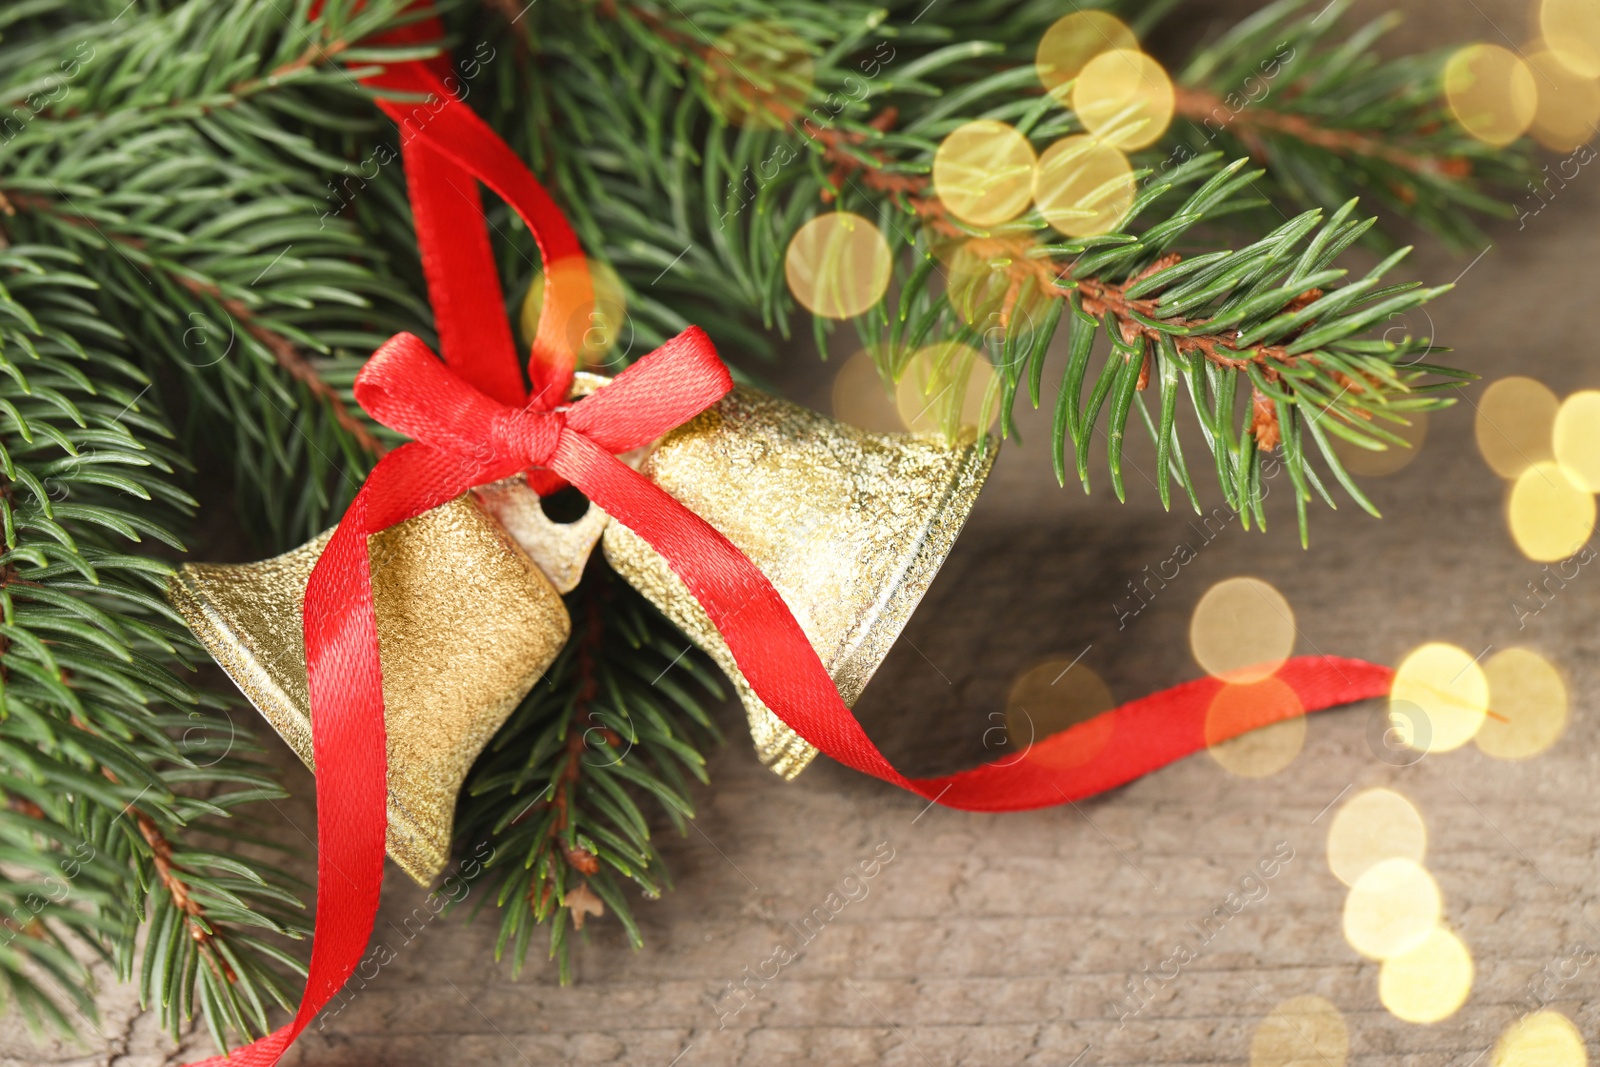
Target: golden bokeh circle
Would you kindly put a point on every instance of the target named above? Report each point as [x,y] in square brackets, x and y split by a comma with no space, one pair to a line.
[1491,93]
[1084,186]
[1513,424]
[1576,438]
[1301,1032]
[938,373]
[987,282]
[1255,730]
[1053,697]
[1373,826]
[1569,104]
[1571,29]
[1541,1039]
[1551,514]
[861,398]
[838,265]
[594,327]
[1242,630]
[759,74]
[1072,41]
[1124,98]
[1527,705]
[1448,689]
[1391,909]
[1429,982]
[1366,463]
[983,172]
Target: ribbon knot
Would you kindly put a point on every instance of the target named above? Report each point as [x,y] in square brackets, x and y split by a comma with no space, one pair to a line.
[527,436]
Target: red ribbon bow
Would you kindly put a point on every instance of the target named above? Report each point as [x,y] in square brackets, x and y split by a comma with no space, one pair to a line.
[473,422]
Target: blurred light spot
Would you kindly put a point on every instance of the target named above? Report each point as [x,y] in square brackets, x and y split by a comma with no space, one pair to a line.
[1551,514]
[986,283]
[1569,104]
[983,172]
[1051,698]
[1072,41]
[1373,826]
[1124,98]
[1391,909]
[1542,1039]
[759,75]
[1083,186]
[1429,982]
[1242,630]
[1571,29]
[1301,1032]
[1513,425]
[1256,729]
[1527,705]
[1451,691]
[1491,93]
[593,327]
[862,399]
[1577,438]
[935,377]
[838,265]
[1369,464]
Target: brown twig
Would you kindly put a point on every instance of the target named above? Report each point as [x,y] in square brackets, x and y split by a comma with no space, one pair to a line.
[1198,105]
[284,352]
[579,859]
[287,355]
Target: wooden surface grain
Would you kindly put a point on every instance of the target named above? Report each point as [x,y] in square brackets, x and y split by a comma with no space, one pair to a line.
[1010,939]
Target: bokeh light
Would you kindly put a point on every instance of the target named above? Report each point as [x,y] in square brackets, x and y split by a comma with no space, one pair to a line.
[1551,514]
[1391,909]
[1571,29]
[1301,1032]
[1429,982]
[1491,93]
[1576,438]
[1450,690]
[1527,705]
[1256,729]
[1242,630]
[862,399]
[935,376]
[1084,186]
[1373,826]
[1050,698]
[594,327]
[759,75]
[1541,1039]
[1072,41]
[984,281]
[983,172]
[1513,425]
[1366,463]
[838,265]
[1124,98]
[1569,104]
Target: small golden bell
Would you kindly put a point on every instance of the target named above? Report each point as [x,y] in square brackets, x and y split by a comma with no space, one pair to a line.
[466,624]
[849,526]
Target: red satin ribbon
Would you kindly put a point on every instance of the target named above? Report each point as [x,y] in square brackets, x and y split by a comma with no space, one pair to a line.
[473,422]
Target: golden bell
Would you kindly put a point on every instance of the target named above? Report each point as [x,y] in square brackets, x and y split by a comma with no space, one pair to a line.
[466,624]
[849,526]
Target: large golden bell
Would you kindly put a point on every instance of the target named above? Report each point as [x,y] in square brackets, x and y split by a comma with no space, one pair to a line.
[466,624]
[849,526]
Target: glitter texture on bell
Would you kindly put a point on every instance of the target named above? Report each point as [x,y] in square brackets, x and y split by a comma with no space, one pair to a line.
[467,622]
[849,526]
